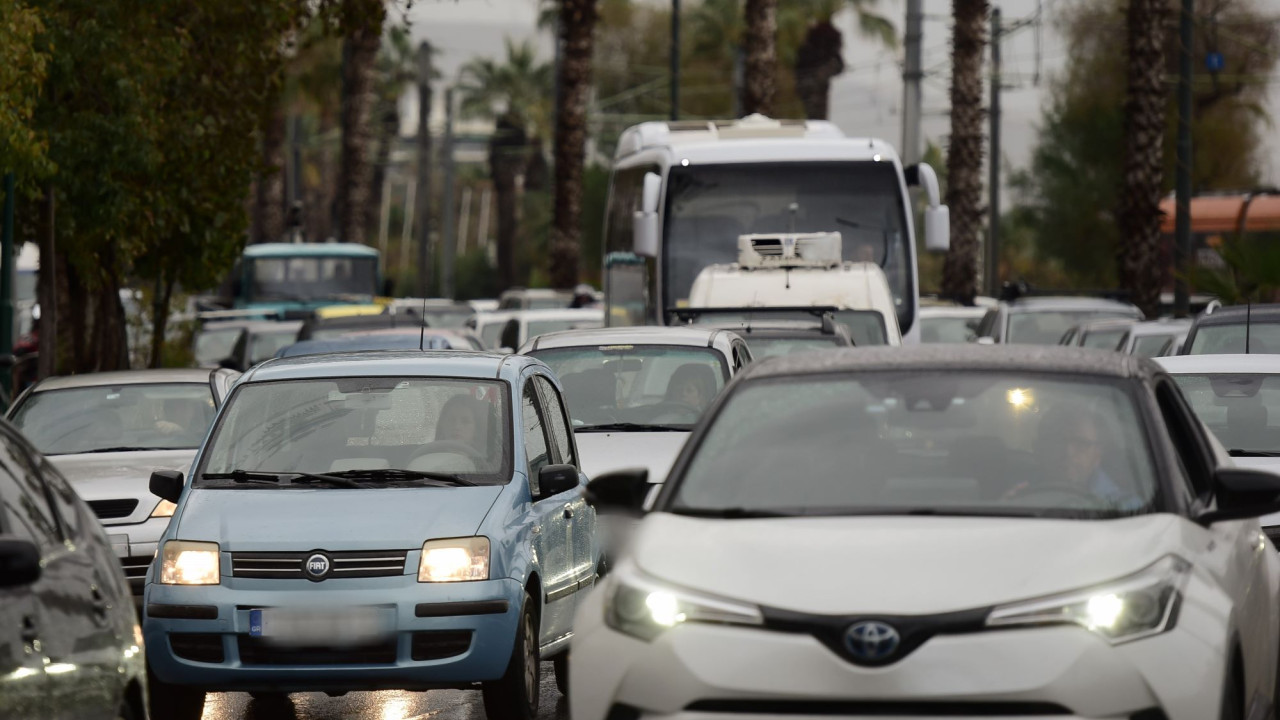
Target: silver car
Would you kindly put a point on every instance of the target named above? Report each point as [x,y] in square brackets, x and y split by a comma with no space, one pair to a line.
[106,433]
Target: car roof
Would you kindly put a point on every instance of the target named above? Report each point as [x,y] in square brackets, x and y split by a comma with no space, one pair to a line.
[126,377]
[948,358]
[1164,326]
[1219,364]
[1237,314]
[682,335]
[409,363]
[1050,303]
[261,250]
[560,313]
[1105,324]
[951,311]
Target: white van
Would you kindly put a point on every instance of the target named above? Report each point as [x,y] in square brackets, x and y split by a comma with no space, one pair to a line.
[802,270]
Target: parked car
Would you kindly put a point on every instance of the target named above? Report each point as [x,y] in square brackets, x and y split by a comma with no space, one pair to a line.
[1235,329]
[488,326]
[1106,334]
[1043,320]
[266,338]
[949,323]
[524,325]
[70,645]
[106,433]
[317,328]
[394,339]
[534,299]
[407,520]
[767,338]
[894,533]
[1157,338]
[439,312]
[219,344]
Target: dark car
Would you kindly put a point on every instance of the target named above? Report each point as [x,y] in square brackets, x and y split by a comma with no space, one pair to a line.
[70,644]
[1105,334]
[1043,320]
[1235,330]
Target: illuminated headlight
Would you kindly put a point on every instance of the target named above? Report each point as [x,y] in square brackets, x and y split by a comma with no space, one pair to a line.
[1141,605]
[455,560]
[644,608]
[164,509]
[189,563]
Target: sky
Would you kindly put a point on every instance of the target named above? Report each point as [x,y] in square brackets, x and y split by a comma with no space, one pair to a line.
[866,99]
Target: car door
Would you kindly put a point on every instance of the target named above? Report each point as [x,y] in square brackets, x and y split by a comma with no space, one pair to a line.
[23,683]
[581,516]
[553,544]
[77,635]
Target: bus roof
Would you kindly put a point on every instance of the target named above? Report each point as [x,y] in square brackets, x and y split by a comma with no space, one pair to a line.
[276,250]
[752,139]
[1222,213]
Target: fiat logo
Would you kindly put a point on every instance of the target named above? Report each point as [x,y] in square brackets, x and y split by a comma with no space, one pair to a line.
[317,566]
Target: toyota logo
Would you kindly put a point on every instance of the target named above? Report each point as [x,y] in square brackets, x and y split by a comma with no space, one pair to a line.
[317,566]
[872,641]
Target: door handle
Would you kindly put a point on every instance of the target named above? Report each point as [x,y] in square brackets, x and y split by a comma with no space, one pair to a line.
[30,635]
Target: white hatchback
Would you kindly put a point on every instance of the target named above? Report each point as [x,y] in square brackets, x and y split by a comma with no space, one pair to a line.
[997,532]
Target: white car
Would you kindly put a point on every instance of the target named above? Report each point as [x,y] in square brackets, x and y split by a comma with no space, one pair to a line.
[950,323]
[888,533]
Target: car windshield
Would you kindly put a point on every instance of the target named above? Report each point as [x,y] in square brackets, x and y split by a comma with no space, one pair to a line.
[1103,339]
[960,442]
[335,425]
[1045,327]
[1230,339]
[213,345]
[948,329]
[1150,345]
[866,327]
[312,278]
[539,327]
[160,416]
[448,317]
[763,346]
[1243,411]
[491,333]
[544,303]
[265,345]
[638,384]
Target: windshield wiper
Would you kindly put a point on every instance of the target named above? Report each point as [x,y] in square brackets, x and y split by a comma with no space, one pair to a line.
[397,475]
[287,478]
[734,513]
[632,427]
[1252,453]
[125,448]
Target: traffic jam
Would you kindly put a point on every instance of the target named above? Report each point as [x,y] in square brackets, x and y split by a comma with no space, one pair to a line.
[757,475]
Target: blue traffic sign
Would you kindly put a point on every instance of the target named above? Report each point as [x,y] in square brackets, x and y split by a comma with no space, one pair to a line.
[1214,62]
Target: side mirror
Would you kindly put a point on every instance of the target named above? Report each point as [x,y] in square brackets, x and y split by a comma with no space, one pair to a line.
[19,562]
[556,479]
[229,363]
[937,228]
[621,491]
[1242,493]
[644,224]
[167,484]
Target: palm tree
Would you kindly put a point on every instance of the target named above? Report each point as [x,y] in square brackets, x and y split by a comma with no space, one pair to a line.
[361,22]
[818,56]
[760,47]
[515,95]
[1138,214]
[577,28]
[964,157]
[396,67]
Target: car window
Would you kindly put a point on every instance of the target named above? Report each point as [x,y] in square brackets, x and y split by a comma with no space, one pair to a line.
[1046,327]
[763,346]
[556,421]
[353,424]
[901,442]
[1230,339]
[1103,339]
[213,345]
[26,505]
[536,448]
[265,345]
[1242,410]
[159,416]
[947,329]
[1150,345]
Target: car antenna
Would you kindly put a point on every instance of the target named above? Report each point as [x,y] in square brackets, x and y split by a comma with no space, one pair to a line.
[1248,317]
[422,330]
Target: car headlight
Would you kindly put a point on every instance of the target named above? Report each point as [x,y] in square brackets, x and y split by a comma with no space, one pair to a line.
[454,560]
[164,509]
[183,562]
[1138,606]
[644,608]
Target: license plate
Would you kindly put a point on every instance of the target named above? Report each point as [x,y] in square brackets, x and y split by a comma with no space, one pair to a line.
[320,627]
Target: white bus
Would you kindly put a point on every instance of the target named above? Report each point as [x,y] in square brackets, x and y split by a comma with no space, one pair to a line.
[683,192]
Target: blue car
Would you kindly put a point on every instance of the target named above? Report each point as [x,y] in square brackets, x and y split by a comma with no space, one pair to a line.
[379,520]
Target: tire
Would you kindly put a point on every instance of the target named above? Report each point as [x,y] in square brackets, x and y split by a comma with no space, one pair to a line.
[562,673]
[515,695]
[174,702]
[128,712]
[270,698]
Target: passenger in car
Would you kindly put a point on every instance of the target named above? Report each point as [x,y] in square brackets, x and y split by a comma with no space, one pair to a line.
[692,384]
[460,422]
[1070,450]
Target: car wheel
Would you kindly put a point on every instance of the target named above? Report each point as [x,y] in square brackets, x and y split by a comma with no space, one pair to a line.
[174,702]
[515,695]
[127,712]
[562,673]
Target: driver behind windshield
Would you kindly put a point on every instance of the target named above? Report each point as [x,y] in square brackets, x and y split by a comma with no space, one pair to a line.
[692,384]
[460,422]
[1069,456]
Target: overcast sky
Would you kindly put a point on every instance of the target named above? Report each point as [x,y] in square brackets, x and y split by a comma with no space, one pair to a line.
[865,100]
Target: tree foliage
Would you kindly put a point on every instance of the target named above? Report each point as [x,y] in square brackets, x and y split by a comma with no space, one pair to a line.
[23,149]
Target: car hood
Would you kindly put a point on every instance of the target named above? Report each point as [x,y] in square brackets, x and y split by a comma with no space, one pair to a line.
[110,476]
[277,519]
[896,565]
[603,452]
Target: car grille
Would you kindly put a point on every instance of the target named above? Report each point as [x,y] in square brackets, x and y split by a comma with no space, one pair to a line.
[439,644]
[198,647]
[113,509]
[135,570]
[288,566]
[253,651]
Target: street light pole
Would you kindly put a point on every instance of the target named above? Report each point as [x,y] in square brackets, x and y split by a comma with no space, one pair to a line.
[1182,220]
[675,59]
[991,263]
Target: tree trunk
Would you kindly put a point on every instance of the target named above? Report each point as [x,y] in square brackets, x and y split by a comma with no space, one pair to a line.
[759,42]
[818,60]
[508,148]
[1138,213]
[964,156]
[388,131]
[577,27]
[268,210]
[160,319]
[362,28]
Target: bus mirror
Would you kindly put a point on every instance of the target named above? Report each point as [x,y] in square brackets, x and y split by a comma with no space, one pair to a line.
[937,228]
[645,234]
[652,192]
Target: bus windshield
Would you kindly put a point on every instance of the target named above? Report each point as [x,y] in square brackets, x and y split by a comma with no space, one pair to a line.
[312,278]
[709,206]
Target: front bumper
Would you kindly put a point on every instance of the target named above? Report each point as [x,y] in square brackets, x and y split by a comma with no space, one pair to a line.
[719,672]
[135,547]
[218,654]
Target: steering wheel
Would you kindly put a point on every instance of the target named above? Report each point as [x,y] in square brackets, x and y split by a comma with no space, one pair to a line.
[1053,489]
[450,446]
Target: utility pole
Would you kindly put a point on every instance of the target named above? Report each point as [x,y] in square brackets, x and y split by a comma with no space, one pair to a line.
[424,169]
[912,75]
[1182,220]
[449,241]
[675,59]
[6,273]
[991,264]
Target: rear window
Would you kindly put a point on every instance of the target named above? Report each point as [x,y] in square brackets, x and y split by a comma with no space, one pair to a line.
[1262,338]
